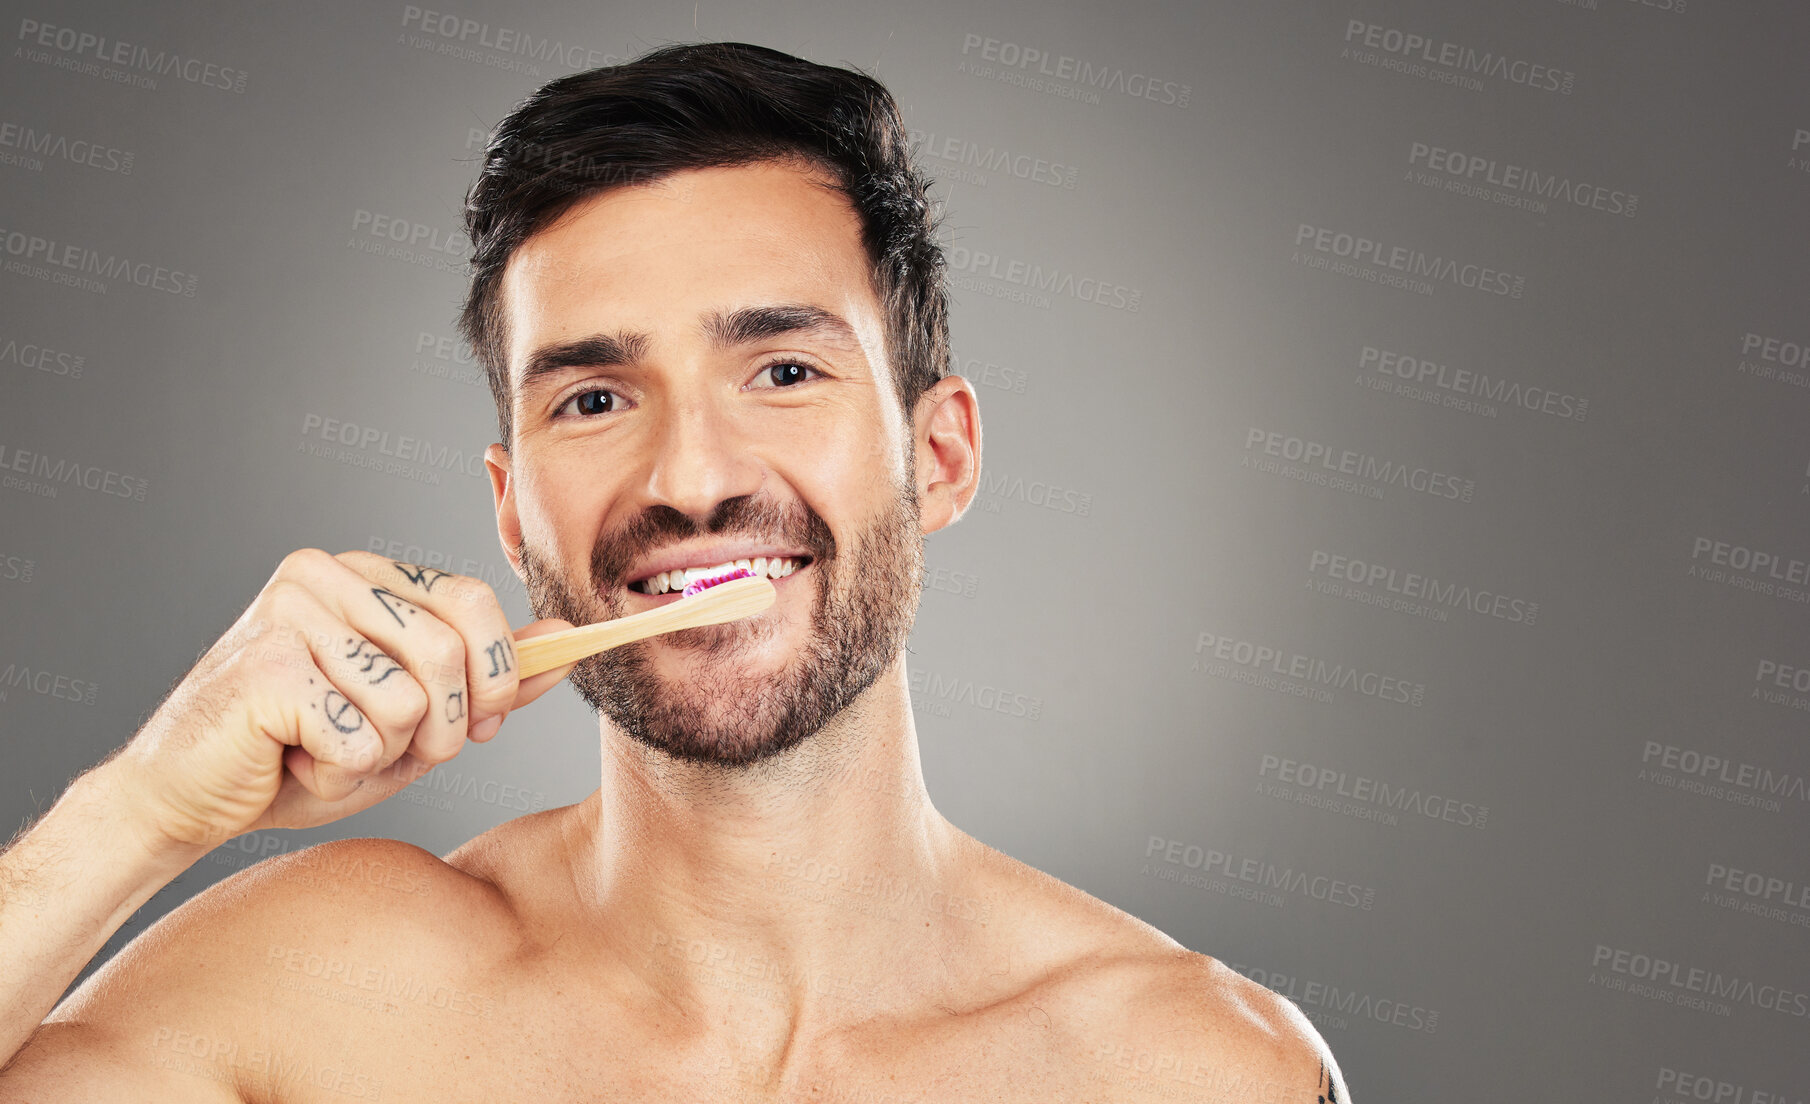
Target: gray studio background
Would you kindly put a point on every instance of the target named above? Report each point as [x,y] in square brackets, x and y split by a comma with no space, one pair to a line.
[1390,575]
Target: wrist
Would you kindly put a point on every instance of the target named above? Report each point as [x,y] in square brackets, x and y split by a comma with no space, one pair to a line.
[115,799]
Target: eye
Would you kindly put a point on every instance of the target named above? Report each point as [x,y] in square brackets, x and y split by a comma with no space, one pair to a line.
[588,403]
[785,373]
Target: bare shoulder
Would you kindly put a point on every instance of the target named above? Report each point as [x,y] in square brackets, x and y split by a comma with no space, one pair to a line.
[1134,1010]
[1264,1043]
[273,969]
[1172,1022]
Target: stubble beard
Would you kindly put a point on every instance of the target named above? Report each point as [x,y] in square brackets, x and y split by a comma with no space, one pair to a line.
[861,615]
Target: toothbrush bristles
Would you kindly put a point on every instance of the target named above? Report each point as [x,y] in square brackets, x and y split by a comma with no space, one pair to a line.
[706,584]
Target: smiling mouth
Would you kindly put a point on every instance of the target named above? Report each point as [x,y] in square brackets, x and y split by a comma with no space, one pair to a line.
[777,567]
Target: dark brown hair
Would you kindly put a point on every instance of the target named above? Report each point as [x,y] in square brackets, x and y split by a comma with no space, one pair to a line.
[699,105]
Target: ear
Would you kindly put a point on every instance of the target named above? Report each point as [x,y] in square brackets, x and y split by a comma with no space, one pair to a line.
[946,435]
[500,466]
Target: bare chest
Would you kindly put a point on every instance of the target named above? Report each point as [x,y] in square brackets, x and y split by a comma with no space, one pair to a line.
[541,1045]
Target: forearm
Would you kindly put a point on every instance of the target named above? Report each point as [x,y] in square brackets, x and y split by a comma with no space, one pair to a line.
[65,887]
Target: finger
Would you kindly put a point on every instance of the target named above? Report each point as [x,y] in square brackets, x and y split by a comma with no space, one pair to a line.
[470,606]
[351,707]
[535,685]
[427,648]
[366,687]
[342,792]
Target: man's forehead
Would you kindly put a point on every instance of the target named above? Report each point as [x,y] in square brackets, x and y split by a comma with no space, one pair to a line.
[728,254]
[762,213]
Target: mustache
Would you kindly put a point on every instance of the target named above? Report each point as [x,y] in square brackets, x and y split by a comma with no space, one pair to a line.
[757,518]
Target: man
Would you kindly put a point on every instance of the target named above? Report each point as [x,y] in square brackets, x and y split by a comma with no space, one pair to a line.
[707,291]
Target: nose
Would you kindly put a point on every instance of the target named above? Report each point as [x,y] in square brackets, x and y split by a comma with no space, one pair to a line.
[700,458]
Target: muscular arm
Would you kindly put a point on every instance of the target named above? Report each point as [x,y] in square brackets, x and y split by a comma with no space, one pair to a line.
[65,887]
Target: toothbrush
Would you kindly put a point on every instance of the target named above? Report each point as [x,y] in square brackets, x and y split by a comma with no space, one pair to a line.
[709,601]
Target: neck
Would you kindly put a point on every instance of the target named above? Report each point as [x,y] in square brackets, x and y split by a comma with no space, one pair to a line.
[768,887]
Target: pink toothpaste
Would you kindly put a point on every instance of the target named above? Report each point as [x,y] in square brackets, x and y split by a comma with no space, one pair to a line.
[706,584]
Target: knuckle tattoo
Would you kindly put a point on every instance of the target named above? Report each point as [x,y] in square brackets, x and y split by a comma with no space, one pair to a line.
[423,577]
[502,658]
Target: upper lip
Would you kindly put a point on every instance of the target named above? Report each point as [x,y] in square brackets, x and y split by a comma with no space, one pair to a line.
[707,555]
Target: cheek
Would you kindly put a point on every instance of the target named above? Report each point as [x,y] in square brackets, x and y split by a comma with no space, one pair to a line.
[856,449]
[559,502]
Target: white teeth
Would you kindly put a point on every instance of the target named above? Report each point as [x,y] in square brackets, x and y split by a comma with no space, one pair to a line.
[776,567]
[692,574]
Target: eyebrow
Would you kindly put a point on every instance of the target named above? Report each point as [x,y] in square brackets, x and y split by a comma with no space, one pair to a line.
[723,329]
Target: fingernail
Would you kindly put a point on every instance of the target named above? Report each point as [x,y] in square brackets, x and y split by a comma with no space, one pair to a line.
[486,728]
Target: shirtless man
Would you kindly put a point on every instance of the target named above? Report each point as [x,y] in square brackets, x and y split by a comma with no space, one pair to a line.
[696,362]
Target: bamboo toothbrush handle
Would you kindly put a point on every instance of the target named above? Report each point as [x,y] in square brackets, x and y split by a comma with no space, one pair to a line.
[730,601]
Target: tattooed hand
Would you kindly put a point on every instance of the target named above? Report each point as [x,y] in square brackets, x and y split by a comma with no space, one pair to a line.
[347,678]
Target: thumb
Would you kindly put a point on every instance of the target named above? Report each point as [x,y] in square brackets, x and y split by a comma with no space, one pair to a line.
[535,685]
